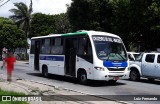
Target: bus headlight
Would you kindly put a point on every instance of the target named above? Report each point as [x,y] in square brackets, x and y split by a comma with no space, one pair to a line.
[99,68]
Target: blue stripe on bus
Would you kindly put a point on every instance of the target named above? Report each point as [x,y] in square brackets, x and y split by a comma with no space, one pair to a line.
[114,64]
[52,58]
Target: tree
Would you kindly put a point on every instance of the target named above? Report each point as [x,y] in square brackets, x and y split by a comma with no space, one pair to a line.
[90,15]
[10,36]
[22,16]
[42,24]
[135,21]
[62,24]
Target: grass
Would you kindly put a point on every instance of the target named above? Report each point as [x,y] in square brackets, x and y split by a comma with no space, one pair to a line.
[11,93]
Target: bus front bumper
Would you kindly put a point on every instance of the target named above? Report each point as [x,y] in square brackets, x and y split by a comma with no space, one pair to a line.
[112,76]
[116,77]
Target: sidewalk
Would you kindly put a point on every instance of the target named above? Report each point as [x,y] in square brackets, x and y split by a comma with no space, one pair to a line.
[34,88]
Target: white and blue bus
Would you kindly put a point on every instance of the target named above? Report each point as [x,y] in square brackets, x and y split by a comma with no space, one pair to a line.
[84,55]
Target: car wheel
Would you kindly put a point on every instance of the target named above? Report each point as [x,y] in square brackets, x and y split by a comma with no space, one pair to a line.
[134,75]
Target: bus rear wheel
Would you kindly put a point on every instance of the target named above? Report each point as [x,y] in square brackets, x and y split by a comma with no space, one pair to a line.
[45,71]
[82,77]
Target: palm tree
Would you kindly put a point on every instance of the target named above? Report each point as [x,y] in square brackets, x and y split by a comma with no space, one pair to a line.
[22,16]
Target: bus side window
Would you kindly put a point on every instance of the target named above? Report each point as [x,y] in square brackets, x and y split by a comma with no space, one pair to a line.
[88,55]
[89,51]
[85,49]
[32,50]
[57,46]
[52,45]
[42,46]
[45,47]
[82,44]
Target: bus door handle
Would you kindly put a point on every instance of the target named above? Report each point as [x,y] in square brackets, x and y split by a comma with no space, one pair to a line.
[156,66]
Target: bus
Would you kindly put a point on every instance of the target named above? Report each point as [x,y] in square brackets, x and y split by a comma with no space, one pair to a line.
[86,55]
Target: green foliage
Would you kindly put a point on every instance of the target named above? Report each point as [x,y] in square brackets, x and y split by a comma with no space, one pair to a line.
[10,36]
[22,16]
[2,92]
[62,24]
[135,21]
[90,14]
[43,24]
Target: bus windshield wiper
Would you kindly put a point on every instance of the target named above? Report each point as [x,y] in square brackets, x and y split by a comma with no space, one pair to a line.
[108,56]
[120,56]
[116,55]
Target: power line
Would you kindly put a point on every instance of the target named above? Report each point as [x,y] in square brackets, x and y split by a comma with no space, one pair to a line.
[1,1]
[4,3]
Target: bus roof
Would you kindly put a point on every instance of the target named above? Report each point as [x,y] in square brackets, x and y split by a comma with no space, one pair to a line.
[77,33]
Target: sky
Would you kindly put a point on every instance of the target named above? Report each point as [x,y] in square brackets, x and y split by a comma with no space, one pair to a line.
[43,6]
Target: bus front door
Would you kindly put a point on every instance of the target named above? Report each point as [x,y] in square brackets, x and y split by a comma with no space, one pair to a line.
[70,56]
[36,55]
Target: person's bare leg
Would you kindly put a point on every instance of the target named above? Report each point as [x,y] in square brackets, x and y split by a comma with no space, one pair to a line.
[9,77]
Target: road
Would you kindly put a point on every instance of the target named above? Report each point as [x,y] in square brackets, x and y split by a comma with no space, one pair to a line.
[122,87]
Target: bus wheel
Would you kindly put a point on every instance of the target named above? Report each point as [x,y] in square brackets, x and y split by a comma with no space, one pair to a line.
[82,77]
[134,75]
[45,71]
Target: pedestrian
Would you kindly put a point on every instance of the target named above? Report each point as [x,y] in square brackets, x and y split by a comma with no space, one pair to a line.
[10,60]
[4,55]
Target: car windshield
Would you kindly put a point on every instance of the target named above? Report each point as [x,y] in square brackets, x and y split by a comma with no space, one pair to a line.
[109,48]
[138,56]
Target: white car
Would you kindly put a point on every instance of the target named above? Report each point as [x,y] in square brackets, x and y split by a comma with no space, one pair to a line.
[148,67]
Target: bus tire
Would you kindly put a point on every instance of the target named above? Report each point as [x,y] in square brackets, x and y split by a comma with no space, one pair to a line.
[134,75]
[82,77]
[45,71]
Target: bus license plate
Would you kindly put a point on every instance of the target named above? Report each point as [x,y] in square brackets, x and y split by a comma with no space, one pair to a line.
[115,78]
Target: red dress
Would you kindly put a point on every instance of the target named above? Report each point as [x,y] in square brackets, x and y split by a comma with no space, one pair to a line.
[10,63]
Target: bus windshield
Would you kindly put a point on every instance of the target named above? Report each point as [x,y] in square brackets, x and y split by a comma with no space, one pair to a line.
[109,48]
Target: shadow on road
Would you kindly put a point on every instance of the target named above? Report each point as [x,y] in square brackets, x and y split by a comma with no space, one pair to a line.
[75,81]
[156,81]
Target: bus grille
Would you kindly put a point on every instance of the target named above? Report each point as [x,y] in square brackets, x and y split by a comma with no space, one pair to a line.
[116,69]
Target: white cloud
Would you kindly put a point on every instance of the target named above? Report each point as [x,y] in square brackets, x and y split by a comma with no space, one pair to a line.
[43,6]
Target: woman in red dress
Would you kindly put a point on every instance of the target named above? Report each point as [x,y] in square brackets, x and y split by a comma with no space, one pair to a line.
[10,65]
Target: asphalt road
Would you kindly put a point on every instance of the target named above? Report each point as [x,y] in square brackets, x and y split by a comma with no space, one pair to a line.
[116,91]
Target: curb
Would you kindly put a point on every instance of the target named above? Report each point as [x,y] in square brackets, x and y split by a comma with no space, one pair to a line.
[67,89]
